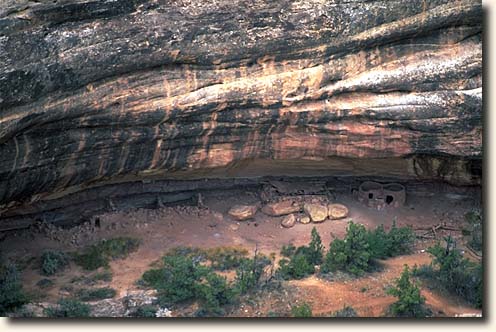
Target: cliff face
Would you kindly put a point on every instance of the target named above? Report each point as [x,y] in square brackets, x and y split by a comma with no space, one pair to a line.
[118,90]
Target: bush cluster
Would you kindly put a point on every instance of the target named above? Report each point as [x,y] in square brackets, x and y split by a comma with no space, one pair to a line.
[95,294]
[347,311]
[301,311]
[53,261]
[398,241]
[354,254]
[410,303]
[12,295]
[474,218]
[249,273]
[183,277]
[359,248]
[455,273]
[351,254]
[302,260]
[226,258]
[68,308]
[146,311]
[100,254]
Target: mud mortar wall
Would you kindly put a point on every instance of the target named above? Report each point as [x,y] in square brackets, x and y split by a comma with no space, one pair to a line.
[101,92]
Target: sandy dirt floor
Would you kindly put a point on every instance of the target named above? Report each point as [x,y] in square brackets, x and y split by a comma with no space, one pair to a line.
[210,226]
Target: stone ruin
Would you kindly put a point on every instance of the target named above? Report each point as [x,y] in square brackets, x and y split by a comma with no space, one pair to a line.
[379,196]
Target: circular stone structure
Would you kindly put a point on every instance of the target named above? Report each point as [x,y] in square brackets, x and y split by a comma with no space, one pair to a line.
[394,194]
[378,196]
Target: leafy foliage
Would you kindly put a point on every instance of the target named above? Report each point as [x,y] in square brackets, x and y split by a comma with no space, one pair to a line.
[69,308]
[296,268]
[176,280]
[288,250]
[44,283]
[457,274]
[347,311]
[249,272]
[410,302]
[146,311]
[225,258]
[95,294]
[301,311]
[351,254]
[315,249]
[474,218]
[53,261]
[100,254]
[401,240]
[11,294]
[302,260]
[398,241]
[213,292]
[181,278]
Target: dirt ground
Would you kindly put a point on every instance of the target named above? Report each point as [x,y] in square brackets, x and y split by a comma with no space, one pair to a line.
[210,226]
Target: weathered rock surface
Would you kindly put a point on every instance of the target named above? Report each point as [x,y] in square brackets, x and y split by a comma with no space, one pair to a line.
[337,211]
[288,221]
[282,208]
[243,212]
[94,93]
[316,212]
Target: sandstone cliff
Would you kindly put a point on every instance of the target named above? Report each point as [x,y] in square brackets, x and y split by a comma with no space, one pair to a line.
[100,91]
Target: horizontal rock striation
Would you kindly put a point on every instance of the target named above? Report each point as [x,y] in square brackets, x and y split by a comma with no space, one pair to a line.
[96,92]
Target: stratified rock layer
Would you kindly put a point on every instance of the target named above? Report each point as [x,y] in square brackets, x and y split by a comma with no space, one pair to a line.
[98,92]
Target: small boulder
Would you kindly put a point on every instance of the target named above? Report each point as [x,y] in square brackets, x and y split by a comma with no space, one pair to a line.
[337,211]
[288,221]
[281,208]
[304,219]
[243,212]
[317,212]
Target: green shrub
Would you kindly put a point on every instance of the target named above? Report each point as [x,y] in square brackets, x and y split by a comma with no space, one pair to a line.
[410,303]
[53,261]
[301,311]
[424,271]
[398,241]
[347,311]
[273,314]
[249,272]
[401,239]
[146,311]
[288,250]
[351,254]
[12,295]
[213,292]
[69,308]
[23,312]
[302,260]
[474,218]
[95,294]
[44,283]
[296,268]
[176,280]
[196,254]
[181,279]
[315,249]
[225,258]
[100,254]
[457,274]
[380,243]
[105,275]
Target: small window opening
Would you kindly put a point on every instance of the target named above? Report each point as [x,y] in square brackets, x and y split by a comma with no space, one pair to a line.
[389,199]
[371,196]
